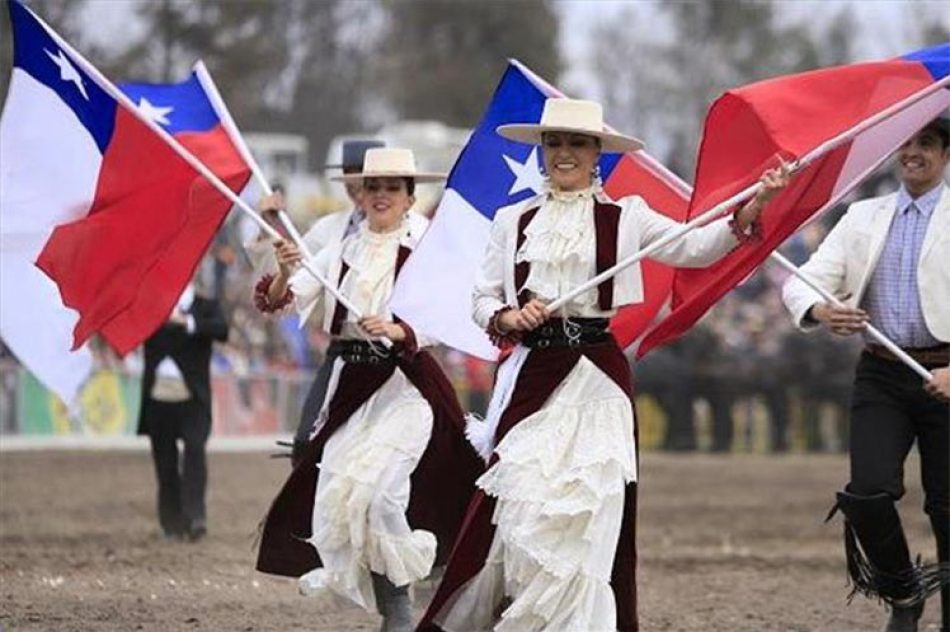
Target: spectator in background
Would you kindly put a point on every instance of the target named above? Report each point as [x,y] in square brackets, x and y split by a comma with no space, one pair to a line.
[176,405]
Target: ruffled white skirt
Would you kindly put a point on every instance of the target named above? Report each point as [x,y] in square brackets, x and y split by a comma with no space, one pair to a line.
[559,485]
[359,512]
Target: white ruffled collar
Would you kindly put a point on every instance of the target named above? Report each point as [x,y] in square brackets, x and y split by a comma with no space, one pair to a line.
[596,189]
[371,253]
[371,236]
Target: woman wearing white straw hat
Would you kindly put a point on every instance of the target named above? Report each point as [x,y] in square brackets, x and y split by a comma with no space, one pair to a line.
[395,471]
[278,260]
[549,539]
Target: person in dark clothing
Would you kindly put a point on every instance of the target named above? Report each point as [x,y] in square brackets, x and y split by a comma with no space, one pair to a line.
[888,257]
[176,404]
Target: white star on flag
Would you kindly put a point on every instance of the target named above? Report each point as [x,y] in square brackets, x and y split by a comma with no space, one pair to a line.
[68,72]
[528,175]
[155,113]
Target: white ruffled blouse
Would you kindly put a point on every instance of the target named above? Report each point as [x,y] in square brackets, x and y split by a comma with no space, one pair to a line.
[371,261]
[371,258]
[561,246]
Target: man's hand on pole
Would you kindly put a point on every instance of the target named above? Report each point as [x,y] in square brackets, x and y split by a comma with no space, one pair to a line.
[939,386]
[841,320]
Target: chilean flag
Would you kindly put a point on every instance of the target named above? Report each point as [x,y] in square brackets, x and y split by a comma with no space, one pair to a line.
[749,128]
[105,207]
[434,289]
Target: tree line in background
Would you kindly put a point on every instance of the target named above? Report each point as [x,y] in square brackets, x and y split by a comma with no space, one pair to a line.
[329,67]
[661,84]
[324,68]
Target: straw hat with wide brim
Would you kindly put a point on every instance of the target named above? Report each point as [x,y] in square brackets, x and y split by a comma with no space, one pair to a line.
[571,115]
[386,162]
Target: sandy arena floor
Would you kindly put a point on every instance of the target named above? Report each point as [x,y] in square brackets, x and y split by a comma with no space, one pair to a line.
[727,543]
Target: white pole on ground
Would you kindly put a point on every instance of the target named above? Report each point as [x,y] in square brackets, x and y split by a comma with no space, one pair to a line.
[211,89]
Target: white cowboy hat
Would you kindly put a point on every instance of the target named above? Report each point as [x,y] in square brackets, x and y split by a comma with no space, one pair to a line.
[571,115]
[387,162]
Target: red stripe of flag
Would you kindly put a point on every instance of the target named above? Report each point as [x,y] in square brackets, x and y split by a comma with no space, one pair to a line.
[124,265]
[745,132]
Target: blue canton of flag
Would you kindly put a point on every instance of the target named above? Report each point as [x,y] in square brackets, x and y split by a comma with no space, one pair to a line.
[177,107]
[42,58]
[493,172]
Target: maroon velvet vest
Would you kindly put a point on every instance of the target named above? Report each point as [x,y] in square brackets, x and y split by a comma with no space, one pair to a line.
[339,314]
[606,227]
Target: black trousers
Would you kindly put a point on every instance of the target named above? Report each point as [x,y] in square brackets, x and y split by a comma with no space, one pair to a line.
[182,482]
[889,411]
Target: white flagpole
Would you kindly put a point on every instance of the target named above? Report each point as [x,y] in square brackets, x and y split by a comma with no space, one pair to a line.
[872,331]
[113,91]
[699,220]
[211,89]
[713,213]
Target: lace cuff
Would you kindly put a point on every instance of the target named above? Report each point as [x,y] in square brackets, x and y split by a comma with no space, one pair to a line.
[751,234]
[498,338]
[262,296]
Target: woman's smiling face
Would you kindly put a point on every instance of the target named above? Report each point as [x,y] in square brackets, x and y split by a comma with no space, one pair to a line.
[385,201]
[569,159]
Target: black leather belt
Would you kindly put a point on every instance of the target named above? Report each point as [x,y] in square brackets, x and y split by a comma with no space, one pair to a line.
[361,352]
[570,332]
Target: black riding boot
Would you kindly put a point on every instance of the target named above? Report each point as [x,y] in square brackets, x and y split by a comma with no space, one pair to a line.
[878,558]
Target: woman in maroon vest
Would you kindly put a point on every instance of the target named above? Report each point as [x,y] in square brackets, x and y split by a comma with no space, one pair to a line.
[549,538]
[395,472]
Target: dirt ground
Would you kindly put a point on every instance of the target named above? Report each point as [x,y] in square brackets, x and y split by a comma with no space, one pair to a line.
[727,543]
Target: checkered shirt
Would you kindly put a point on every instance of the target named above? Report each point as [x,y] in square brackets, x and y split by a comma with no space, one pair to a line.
[893,297]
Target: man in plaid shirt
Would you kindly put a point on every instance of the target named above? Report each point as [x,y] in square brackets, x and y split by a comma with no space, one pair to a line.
[888,259]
